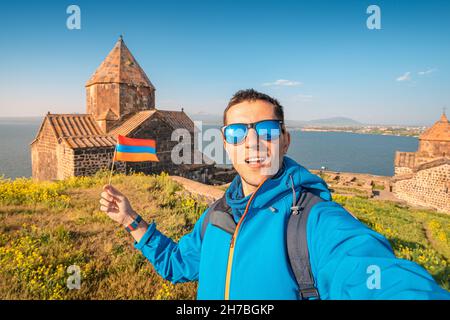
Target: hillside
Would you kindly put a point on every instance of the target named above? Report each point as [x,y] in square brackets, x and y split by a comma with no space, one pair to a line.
[326,122]
[46,227]
[216,119]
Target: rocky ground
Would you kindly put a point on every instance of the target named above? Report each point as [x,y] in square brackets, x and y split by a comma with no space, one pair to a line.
[344,183]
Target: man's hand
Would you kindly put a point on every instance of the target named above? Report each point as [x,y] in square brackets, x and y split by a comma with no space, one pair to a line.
[116,206]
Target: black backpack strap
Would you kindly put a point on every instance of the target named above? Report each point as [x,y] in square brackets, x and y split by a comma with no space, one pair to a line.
[297,245]
[219,214]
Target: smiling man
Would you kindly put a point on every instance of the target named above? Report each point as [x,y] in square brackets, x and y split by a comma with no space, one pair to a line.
[276,233]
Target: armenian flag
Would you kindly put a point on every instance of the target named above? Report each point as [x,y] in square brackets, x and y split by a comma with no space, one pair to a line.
[135,150]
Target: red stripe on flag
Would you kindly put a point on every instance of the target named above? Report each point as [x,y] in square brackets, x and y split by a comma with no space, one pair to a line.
[136,142]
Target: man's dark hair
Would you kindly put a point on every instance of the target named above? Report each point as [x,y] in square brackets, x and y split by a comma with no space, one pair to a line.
[253,95]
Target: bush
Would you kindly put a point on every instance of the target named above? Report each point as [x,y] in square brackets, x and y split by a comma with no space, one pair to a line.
[25,191]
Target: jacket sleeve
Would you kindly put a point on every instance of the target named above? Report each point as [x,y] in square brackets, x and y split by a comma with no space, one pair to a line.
[351,261]
[176,262]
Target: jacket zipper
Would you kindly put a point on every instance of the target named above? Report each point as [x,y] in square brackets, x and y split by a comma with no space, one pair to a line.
[233,243]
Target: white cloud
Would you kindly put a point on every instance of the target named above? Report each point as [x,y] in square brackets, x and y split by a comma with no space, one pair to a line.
[405,77]
[283,83]
[429,71]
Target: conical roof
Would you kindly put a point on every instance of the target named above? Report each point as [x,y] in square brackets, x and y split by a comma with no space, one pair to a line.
[120,67]
[440,131]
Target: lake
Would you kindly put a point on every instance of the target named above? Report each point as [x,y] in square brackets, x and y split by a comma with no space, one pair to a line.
[337,151]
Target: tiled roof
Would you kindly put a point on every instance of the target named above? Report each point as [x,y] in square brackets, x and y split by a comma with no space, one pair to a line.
[440,131]
[120,67]
[82,131]
[77,130]
[67,125]
[90,141]
[175,119]
[132,123]
[108,115]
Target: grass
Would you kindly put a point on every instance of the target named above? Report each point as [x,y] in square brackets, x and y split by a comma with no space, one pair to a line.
[378,187]
[39,241]
[418,235]
[45,227]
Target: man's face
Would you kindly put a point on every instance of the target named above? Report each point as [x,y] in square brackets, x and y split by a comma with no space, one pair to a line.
[255,159]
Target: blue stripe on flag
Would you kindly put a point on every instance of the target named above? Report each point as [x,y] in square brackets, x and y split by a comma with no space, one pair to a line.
[135,149]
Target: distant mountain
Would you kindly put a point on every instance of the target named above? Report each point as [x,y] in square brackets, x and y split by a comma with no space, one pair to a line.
[326,122]
[216,119]
[206,118]
[20,120]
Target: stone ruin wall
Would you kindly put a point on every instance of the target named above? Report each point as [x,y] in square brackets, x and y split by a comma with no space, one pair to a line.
[428,187]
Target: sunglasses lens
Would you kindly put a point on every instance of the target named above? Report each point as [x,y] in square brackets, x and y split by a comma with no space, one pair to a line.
[268,130]
[235,133]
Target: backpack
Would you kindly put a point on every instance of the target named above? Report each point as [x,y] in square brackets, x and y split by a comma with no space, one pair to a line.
[220,215]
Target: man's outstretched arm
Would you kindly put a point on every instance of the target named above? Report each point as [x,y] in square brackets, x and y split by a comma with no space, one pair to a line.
[176,262]
[351,261]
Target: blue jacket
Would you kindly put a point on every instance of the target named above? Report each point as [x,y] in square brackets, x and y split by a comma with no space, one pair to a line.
[345,254]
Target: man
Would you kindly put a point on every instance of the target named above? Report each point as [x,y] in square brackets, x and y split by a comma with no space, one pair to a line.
[251,261]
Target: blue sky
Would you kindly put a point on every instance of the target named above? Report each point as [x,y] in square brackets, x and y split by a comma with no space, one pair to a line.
[198,53]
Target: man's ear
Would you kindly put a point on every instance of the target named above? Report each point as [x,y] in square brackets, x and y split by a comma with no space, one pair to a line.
[287,141]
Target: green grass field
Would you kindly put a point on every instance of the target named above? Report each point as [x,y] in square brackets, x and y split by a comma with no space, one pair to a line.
[46,227]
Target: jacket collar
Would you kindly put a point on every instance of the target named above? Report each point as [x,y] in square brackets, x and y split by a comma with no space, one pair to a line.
[291,175]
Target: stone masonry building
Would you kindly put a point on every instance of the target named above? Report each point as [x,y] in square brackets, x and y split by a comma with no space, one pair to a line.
[120,99]
[423,178]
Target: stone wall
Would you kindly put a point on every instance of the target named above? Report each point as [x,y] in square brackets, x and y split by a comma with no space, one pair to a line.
[88,161]
[134,99]
[428,187]
[101,97]
[44,162]
[155,128]
[405,159]
[66,165]
[434,148]
[402,170]
[123,99]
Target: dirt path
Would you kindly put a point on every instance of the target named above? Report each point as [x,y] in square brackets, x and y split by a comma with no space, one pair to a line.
[387,195]
[210,193]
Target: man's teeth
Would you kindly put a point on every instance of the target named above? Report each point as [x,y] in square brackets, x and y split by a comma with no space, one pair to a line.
[255,160]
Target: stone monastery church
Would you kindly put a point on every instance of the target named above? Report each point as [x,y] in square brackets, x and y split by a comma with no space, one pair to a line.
[423,177]
[120,100]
